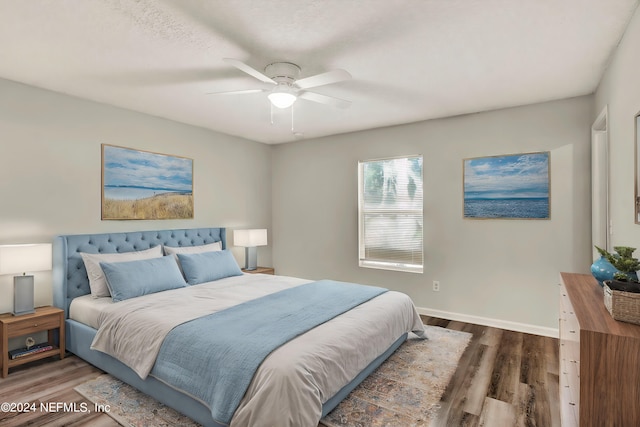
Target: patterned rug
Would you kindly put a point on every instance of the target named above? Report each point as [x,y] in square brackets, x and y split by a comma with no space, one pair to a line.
[403,391]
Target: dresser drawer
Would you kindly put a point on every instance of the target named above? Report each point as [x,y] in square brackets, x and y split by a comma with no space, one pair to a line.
[569,408]
[569,380]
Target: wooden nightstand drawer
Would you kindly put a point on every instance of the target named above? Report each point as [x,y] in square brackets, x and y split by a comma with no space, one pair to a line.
[260,270]
[30,326]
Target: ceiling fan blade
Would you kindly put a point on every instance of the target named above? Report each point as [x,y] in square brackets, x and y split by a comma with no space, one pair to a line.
[324,99]
[333,76]
[236,92]
[247,69]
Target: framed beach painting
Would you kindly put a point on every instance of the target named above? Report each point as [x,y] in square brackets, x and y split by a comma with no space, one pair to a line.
[144,185]
[515,186]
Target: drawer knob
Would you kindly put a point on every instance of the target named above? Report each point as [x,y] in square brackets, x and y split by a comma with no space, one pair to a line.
[572,332]
[572,403]
[35,325]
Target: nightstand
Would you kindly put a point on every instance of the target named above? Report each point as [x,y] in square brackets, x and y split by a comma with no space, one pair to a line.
[44,319]
[261,270]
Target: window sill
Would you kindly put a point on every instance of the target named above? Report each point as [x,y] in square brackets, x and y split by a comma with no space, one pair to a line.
[405,268]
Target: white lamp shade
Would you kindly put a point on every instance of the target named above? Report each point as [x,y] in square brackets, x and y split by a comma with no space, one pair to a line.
[250,238]
[16,259]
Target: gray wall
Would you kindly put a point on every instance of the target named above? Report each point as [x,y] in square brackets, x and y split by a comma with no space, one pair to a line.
[620,91]
[504,270]
[50,172]
[306,194]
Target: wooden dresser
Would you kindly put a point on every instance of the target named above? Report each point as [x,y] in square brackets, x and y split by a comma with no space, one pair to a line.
[599,359]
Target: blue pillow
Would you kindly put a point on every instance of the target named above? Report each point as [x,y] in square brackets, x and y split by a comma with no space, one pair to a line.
[136,278]
[208,266]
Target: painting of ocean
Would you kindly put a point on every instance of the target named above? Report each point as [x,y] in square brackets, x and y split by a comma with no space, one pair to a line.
[512,186]
[144,185]
[135,193]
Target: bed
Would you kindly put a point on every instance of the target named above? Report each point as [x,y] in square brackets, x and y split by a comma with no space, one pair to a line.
[296,384]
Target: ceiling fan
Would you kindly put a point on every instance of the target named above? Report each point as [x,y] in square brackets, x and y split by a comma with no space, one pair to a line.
[287,88]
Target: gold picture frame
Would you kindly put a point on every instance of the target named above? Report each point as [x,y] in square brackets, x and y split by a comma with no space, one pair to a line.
[143,185]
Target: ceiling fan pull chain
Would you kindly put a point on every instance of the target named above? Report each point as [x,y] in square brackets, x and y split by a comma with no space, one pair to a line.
[271,113]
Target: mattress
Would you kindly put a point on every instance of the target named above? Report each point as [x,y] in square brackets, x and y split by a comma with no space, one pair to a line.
[86,309]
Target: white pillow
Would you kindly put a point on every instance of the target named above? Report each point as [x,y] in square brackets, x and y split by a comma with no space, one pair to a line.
[97,281]
[211,247]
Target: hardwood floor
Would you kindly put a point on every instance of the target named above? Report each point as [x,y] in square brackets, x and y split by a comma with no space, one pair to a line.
[504,378]
[50,381]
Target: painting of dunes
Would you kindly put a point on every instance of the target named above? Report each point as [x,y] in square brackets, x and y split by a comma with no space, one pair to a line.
[144,185]
[507,187]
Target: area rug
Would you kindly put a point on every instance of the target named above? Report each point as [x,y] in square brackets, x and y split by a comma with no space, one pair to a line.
[404,391]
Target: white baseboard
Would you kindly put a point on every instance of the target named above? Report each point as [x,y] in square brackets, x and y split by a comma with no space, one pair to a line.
[495,323]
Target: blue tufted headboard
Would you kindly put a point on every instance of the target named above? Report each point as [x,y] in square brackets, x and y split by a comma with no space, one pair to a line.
[70,276]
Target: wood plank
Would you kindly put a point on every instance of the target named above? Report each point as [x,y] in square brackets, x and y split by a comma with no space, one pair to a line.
[497,413]
[482,378]
[553,392]
[551,354]
[533,367]
[455,396]
[506,371]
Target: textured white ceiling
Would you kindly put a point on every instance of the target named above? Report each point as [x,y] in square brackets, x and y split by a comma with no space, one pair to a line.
[410,60]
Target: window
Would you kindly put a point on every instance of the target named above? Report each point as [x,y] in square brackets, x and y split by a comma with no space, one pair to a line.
[390,213]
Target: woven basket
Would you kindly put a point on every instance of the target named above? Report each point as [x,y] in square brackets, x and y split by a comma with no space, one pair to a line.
[623,306]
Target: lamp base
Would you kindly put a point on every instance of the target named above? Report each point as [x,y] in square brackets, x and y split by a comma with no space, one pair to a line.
[23,295]
[250,258]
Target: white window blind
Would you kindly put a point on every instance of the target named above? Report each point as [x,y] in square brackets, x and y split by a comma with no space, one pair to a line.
[390,213]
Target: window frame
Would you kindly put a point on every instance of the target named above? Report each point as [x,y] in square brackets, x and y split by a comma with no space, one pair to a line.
[386,265]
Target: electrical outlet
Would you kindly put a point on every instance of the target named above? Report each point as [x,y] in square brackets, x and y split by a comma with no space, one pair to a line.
[436,286]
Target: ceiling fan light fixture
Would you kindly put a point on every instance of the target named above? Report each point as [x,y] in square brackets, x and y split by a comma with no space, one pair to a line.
[282,96]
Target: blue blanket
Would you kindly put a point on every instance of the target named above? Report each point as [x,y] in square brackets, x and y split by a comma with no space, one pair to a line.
[214,358]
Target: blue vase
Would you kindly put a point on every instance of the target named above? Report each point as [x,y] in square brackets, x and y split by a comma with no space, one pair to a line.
[603,270]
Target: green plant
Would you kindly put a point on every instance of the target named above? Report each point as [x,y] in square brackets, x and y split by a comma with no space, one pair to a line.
[624,261]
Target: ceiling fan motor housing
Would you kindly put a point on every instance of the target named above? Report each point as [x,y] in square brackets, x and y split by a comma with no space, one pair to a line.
[282,72]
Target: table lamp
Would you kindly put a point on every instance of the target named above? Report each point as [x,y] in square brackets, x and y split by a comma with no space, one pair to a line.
[250,239]
[15,259]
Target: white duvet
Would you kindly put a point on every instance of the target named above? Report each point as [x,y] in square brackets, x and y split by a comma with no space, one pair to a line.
[295,380]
